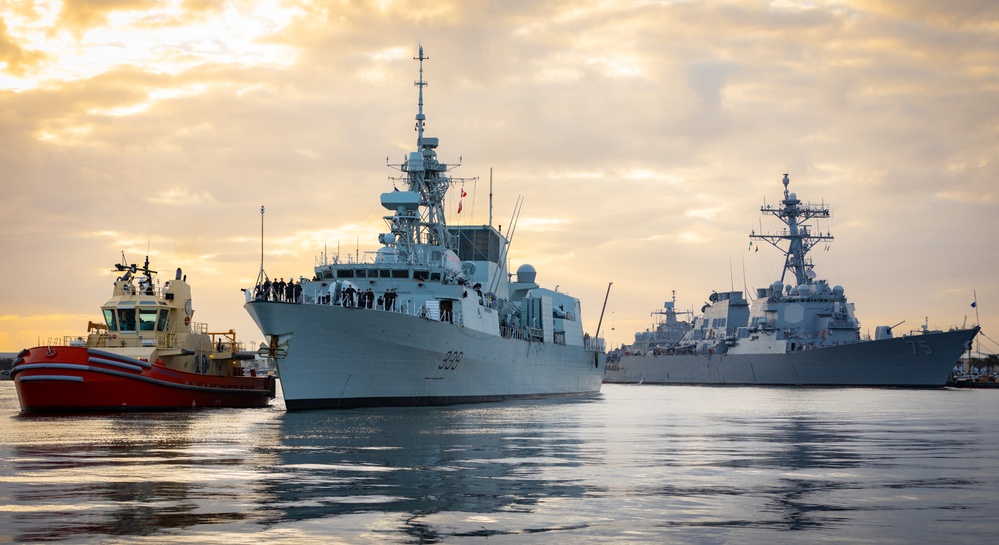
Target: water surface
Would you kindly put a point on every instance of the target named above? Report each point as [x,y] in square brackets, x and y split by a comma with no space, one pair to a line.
[637,464]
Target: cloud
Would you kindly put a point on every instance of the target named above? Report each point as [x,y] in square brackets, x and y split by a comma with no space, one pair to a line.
[644,137]
[16,60]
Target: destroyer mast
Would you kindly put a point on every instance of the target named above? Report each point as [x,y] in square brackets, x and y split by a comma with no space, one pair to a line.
[800,239]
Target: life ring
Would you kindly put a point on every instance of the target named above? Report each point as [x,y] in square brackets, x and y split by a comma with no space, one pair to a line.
[187,320]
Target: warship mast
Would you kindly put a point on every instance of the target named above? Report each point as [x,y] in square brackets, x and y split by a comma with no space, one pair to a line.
[800,239]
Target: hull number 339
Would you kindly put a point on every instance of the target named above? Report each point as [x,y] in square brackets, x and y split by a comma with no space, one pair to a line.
[451,360]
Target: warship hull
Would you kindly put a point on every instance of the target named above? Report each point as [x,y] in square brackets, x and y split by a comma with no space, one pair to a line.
[343,357]
[911,361]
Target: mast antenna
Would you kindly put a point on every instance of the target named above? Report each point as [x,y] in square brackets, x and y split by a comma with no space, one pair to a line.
[509,241]
[262,276]
[420,117]
[601,320]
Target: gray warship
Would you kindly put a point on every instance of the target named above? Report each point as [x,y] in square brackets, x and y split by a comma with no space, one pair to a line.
[804,332]
[433,317]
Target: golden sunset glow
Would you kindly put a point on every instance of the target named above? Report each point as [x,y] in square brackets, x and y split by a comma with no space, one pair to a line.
[643,136]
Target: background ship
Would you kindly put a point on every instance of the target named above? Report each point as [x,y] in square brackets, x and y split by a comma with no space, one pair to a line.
[805,333]
[147,355]
[432,318]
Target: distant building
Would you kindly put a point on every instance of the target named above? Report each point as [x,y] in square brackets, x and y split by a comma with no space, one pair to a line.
[6,362]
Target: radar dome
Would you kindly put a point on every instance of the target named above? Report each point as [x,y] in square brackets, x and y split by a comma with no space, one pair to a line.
[526,274]
[838,291]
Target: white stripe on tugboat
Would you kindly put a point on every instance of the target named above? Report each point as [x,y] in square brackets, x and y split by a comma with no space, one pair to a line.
[65,378]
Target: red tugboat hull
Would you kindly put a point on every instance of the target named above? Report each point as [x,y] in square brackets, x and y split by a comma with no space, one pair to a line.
[81,379]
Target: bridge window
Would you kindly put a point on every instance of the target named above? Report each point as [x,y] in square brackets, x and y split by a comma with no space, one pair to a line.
[147,319]
[126,317]
[109,317]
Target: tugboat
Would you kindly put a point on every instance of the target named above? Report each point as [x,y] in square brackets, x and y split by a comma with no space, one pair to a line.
[147,355]
[804,332]
[432,318]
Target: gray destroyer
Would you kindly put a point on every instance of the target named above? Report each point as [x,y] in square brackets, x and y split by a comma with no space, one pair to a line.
[433,317]
[804,332]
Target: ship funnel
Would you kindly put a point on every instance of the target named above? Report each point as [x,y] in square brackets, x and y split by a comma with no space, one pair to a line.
[178,274]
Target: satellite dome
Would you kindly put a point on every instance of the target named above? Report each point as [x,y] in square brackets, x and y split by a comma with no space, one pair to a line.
[838,291]
[526,273]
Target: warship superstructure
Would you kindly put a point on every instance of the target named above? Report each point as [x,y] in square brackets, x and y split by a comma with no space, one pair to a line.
[797,331]
[433,317]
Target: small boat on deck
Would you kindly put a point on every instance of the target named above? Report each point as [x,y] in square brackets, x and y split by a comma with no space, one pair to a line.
[147,355]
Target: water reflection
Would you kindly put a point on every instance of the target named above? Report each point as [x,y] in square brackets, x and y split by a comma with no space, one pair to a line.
[68,477]
[638,464]
[803,471]
[417,462]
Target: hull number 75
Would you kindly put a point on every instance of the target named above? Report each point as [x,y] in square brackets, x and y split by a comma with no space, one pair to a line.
[925,348]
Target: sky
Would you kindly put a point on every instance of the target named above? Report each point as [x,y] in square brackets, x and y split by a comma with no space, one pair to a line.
[643,136]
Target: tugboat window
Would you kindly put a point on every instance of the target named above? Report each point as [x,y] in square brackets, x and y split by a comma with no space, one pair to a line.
[126,316]
[147,319]
[162,323]
[110,319]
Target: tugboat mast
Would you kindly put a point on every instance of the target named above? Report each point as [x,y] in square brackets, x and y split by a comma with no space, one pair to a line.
[800,239]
